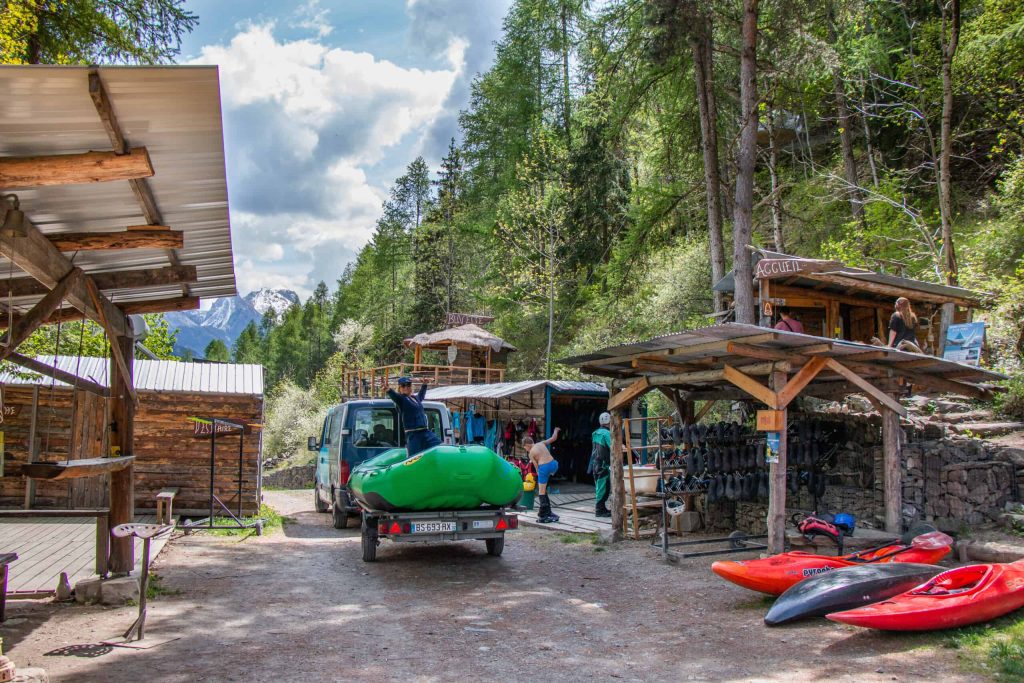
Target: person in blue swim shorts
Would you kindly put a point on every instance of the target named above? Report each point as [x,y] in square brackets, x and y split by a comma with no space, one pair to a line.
[546,466]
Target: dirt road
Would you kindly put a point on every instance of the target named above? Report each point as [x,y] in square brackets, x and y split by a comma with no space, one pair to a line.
[300,605]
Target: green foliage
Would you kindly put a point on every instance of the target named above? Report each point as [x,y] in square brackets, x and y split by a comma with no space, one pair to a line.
[248,348]
[996,647]
[161,339]
[92,31]
[272,521]
[292,415]
[217,350]
[1011,402]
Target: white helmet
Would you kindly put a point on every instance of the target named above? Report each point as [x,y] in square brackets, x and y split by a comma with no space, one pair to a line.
[605,419]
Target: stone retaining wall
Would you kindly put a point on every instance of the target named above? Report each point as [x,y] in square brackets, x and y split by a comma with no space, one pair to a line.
[950,481]
[298,477]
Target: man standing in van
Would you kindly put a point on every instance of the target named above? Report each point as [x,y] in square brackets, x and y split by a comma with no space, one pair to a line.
[418,435]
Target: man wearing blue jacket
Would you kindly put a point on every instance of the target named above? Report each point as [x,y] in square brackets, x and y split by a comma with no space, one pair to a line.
[418,435]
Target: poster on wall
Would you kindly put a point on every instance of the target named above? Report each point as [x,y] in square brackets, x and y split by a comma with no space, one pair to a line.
[964,342]
[773,440]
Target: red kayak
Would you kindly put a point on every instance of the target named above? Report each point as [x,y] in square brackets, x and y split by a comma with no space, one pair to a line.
[775,575]
[958,597]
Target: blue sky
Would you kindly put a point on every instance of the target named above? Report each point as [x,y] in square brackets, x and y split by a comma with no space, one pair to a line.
[325,102]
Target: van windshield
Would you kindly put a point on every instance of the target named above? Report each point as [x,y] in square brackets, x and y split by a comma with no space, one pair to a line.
[434,421]
[374,428]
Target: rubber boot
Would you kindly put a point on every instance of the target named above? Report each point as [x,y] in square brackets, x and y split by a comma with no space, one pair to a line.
[544,514]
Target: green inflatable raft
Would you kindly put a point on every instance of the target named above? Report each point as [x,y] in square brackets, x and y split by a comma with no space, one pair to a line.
[439,478]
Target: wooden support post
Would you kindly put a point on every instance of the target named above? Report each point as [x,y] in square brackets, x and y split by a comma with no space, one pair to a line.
[892,475]
[618,492]
[122,482]
[777,475]
[33,448]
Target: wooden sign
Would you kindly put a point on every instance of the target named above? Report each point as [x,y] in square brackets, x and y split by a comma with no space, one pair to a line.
[456,319]
[786,267]
[770,421]
[9,411]
[203,429]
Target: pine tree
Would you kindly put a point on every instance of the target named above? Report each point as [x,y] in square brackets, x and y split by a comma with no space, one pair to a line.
[217,350]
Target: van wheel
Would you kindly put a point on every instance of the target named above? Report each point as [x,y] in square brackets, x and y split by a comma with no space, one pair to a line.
[369,542]
[318,502]
[495,546]
[339,516]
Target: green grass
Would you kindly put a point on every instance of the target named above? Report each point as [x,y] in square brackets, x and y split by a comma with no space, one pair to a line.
[997,648]
[271,522]
[156,588]
[572,538]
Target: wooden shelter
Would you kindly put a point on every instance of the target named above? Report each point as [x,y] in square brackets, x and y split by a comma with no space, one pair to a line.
[746,362]
[837,301]
[473,356]
[114,202]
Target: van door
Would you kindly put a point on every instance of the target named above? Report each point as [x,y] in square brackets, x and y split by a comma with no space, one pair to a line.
[373,429]
[323,455]
[337,441]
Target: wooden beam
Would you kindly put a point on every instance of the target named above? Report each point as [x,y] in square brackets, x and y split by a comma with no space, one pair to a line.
[120,279]
[152,237]
[777,478]
[865,356]
[716,345]
[704,410]
[34,254]
[750,386]
[799,381]
[39,313]
[945,385]
[101,100]
[798,354]
[122,483]
[715,375]
[865,386]
[72,169]
[629,394]
[58,374]
[892,485]
[181,303]
[115,342]
[617,483]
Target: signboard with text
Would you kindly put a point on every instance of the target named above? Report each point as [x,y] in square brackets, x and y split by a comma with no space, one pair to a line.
[787,267]
[456,319]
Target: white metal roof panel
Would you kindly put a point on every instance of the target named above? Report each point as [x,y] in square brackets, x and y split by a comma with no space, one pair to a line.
[503,389]
[173,111]
[153,375]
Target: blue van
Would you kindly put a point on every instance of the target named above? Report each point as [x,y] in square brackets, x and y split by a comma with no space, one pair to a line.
[355,431]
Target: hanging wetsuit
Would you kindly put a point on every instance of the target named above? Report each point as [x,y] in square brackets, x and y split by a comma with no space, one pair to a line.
[479,428]
[492,435]
[418,435]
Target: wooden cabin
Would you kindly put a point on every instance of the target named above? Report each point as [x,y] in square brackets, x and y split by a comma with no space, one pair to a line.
[172,449]
[837,301]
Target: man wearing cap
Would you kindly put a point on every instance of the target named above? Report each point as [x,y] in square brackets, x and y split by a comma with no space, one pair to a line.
[600,464]
[418,435]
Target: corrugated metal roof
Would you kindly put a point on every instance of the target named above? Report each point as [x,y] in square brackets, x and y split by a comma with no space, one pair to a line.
[154,375]
[503,389]
[728,282]
[174,112]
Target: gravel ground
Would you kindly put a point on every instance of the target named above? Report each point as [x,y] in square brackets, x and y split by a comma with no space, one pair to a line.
[300,605]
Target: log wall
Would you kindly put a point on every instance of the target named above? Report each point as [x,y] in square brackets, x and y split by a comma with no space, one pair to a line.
[167,451]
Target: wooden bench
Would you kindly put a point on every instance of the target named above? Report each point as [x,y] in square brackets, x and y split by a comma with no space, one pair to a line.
[165,505]
[5,561]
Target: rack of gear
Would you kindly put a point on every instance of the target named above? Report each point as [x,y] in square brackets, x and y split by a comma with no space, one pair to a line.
[811,447]
[723,461]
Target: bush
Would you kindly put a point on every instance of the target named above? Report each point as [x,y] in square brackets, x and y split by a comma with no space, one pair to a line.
[1011,402]
[292,415]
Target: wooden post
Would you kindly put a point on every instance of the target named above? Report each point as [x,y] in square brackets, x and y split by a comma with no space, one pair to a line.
[627,433]
[618,492]
[892,476]
[33,448]
[122,482]
[777,475]
[945,320]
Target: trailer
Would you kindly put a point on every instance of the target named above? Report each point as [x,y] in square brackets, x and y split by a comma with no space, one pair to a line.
[481,524]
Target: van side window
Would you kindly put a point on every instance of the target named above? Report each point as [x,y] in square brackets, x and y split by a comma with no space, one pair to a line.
[335,429]
[327,429]
[435,423]
[374,428]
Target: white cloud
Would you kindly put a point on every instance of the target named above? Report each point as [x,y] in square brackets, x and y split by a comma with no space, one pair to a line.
[312,17]
[303,121]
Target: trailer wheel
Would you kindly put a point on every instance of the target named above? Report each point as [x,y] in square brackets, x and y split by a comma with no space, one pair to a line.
[495,546]
[737,540]
[319,504]
[369,542]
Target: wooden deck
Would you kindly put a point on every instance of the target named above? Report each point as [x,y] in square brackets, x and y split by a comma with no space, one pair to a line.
[47,547]
[575,511]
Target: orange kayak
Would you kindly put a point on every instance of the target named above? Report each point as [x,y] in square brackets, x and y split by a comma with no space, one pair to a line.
[958,597]
[775,575]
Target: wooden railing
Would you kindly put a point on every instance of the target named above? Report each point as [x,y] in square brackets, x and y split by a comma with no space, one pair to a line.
[374,382]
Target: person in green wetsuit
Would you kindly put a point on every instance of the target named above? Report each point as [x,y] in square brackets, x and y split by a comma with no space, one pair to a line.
[600,465]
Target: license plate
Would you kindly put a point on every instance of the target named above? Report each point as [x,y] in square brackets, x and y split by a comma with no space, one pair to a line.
[434,527]
[483,523]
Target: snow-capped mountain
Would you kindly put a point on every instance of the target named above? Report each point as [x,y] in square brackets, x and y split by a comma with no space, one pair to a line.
[226,318]
[276,299]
